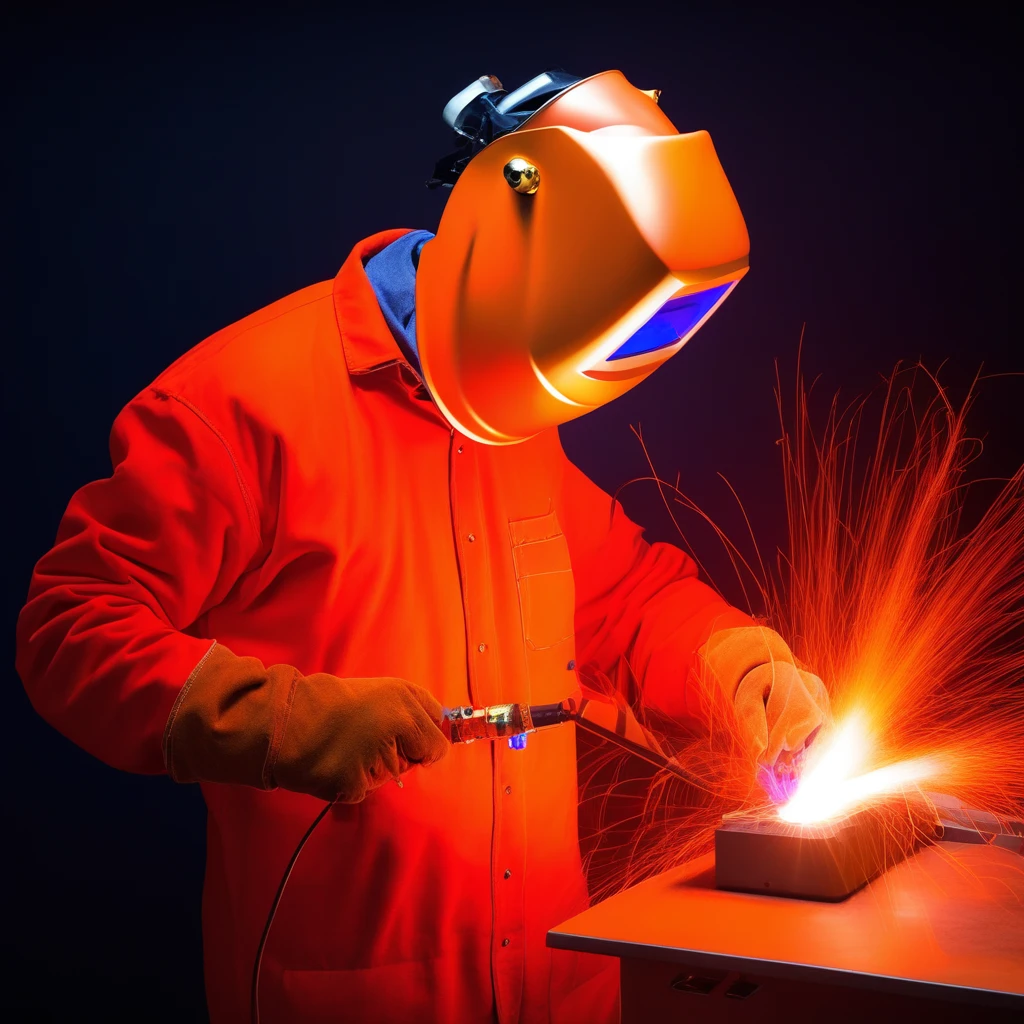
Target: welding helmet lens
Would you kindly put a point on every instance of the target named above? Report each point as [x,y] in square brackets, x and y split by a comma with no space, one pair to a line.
[675,321]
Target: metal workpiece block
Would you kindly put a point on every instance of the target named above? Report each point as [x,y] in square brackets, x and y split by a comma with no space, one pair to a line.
[827,861]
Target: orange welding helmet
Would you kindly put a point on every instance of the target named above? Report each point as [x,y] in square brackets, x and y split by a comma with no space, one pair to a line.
[584,242]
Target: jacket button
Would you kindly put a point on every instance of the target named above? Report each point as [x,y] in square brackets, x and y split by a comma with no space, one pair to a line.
[459,449]
[471,538]
[481,648]
[505,942]
[508,873]
[571,665]
[508,791]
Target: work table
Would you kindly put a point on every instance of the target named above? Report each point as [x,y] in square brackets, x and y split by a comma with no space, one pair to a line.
[940,935]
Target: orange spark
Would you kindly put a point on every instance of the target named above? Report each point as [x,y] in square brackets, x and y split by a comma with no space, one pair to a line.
[902,588]
[914,616]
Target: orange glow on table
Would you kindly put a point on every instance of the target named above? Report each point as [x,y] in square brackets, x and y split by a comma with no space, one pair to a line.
[952,915]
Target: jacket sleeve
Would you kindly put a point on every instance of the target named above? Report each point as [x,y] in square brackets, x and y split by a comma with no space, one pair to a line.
[103,650]
[638,605]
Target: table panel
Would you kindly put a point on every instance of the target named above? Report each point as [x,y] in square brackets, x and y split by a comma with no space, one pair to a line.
[948,923]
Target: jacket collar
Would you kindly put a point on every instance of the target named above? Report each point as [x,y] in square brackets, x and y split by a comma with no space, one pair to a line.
[365,336]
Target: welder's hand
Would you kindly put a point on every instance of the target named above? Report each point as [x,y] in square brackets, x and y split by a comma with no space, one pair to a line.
[779,706]
[239,722]
[346,737]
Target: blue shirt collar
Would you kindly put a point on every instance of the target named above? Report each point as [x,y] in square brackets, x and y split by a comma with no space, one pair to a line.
[392,275]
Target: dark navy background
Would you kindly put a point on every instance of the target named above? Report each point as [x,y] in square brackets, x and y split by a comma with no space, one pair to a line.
[167,176]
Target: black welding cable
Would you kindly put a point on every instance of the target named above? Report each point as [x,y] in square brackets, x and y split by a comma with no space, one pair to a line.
[254,996]
[651,757]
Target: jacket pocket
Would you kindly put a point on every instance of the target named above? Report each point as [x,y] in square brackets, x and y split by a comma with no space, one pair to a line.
[547,596]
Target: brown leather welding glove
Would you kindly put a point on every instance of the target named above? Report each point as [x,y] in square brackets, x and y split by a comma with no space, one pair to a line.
[236,721]
[779,706]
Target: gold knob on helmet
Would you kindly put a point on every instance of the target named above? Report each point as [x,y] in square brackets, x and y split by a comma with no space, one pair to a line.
[522,176]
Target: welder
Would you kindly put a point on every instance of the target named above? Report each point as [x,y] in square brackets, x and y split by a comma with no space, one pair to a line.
[351,509]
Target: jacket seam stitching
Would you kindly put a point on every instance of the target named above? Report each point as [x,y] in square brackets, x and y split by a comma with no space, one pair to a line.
[250,506]
[168,743]
[277,740]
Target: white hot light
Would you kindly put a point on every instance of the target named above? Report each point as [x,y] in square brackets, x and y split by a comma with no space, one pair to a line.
[835,783]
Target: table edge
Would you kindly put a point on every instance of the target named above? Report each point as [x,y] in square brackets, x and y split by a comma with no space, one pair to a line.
[996,998]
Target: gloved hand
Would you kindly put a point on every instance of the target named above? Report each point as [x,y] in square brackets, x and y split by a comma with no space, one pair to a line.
[779,706]
[238,722]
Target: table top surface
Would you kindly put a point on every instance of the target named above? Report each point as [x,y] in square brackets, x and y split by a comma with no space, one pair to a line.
[948,922]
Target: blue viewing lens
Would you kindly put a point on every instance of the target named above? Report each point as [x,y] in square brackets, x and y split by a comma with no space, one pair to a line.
[673,321]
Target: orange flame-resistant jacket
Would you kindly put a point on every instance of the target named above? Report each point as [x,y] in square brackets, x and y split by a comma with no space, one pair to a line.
[287,488]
